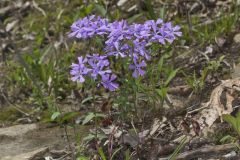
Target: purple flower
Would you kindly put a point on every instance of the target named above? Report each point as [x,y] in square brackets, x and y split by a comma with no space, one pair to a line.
[170,32]
[96,58]
[122,40]
[117,49]
[159,21]
[137,68]
[140,49]
[103,26]
[78,71]
[119,30]
[88,27]
[99,65]
[156,35]
[107,82]
[140,31]
[161,32]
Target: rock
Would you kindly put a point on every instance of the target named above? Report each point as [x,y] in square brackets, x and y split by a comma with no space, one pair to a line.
[31,141]
[26,142]
[236,38]
[230,155]
[28,156]
[220,41]
[16,131]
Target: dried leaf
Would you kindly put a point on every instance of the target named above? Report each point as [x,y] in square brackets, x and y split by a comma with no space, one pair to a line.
[196,127]
[220,103]
[157,125]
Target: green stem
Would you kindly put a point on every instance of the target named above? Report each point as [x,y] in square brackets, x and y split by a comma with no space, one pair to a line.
[135,102]
[178,149]
[95,111]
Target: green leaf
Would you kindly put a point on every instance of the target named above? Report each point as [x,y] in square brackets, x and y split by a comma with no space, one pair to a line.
[101,136]
[162,13]
[160,64]
[127,155]
[231,120]
[48,50]
[100,115]
[101,153]
[68,116]
[116,15]
[221,58]
[171,76]
[162,92]
[83,158]
[226,138]
[55,115]
[89,137]
[151,12]
[89,99]
[101,9]
[238,122]
[135,17]
[238,115]
[88,118]
[92,115]
[88,9]
[115,152]
[178,149]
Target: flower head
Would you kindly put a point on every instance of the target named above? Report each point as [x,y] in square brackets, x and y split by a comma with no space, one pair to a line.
[78,71]
[117,49]
[121,40]
[119,30]
[170,31]
[88,27]
[137,67]
[107,82]
[140,49]
[99,65]
[140,31]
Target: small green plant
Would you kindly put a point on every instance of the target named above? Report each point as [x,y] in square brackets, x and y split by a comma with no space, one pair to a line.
[178,149]
[111,157]
[62,118]
[234,122]
[83,158]
[227,139]
[42,73]
[92,116]
[198,83]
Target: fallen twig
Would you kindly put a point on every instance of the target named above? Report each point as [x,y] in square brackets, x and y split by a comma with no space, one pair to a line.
[208,150]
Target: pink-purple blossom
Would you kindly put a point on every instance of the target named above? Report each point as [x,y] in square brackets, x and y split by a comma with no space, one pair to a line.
[122,41]
[89,27]
[79,70]
[137,68]
[99,65]
[117,49]
[107,82]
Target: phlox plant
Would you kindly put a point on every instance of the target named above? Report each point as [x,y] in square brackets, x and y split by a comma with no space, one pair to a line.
[121,41]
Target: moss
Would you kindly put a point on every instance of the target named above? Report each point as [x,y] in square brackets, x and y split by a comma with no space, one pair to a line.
[9,114]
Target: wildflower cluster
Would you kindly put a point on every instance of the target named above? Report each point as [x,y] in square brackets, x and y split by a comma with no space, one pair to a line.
[121,40]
